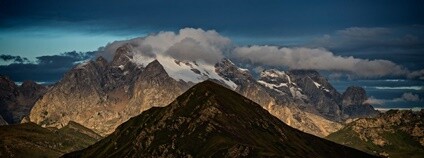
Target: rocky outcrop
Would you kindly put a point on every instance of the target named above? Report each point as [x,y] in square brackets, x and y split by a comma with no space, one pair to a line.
[354,105]
[17,101]
[321,95]
[395,133]
[209,120]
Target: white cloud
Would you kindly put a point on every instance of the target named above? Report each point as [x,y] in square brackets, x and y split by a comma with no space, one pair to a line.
[374,101]
[188,44]
[319,59]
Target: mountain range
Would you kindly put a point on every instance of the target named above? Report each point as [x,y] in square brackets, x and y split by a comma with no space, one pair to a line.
[209,120]
[101,94]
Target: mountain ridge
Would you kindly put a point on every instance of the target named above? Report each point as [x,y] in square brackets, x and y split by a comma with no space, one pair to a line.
[208,120]
[129,84]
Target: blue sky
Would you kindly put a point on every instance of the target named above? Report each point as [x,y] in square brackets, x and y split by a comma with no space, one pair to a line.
[390,30]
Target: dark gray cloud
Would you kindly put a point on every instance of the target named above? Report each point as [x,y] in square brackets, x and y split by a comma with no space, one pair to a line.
[406,97]
[11,58]
[239,17]
[46,68]
[403,45]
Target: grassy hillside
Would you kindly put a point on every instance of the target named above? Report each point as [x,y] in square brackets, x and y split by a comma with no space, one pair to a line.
[31,140]
[393,134]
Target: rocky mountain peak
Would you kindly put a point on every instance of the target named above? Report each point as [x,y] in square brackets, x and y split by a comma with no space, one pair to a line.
[353,103]
[30,89]
[6,84]
[123,55]
[29,83]
[229,70]
[101,61]
[155,68]
[354,96]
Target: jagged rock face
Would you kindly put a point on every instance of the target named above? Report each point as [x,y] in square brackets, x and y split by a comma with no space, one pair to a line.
[282,103]
[211,121]
[324,98]
[354,96]
[395,133]
[17,101]
[353,103]
[311,92]
[102,95]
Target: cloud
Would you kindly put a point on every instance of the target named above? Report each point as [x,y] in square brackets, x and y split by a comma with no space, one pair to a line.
[403,45]
[188,44]
[408,97]
[48,68]
[319,59]
[417,74]
[197,44]
[362,38]
[374,101]
[16,59]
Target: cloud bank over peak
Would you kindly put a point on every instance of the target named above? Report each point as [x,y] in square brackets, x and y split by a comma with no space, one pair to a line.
[188,45]
[406,97]
[317,58]
[191,44]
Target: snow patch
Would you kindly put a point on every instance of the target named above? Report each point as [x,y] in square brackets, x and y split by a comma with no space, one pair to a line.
[319,86]
[273,73]
[183,70]
[270,86]
[121,67]
[244,70]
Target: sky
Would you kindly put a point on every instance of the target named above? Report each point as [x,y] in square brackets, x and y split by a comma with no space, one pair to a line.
[41,40]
